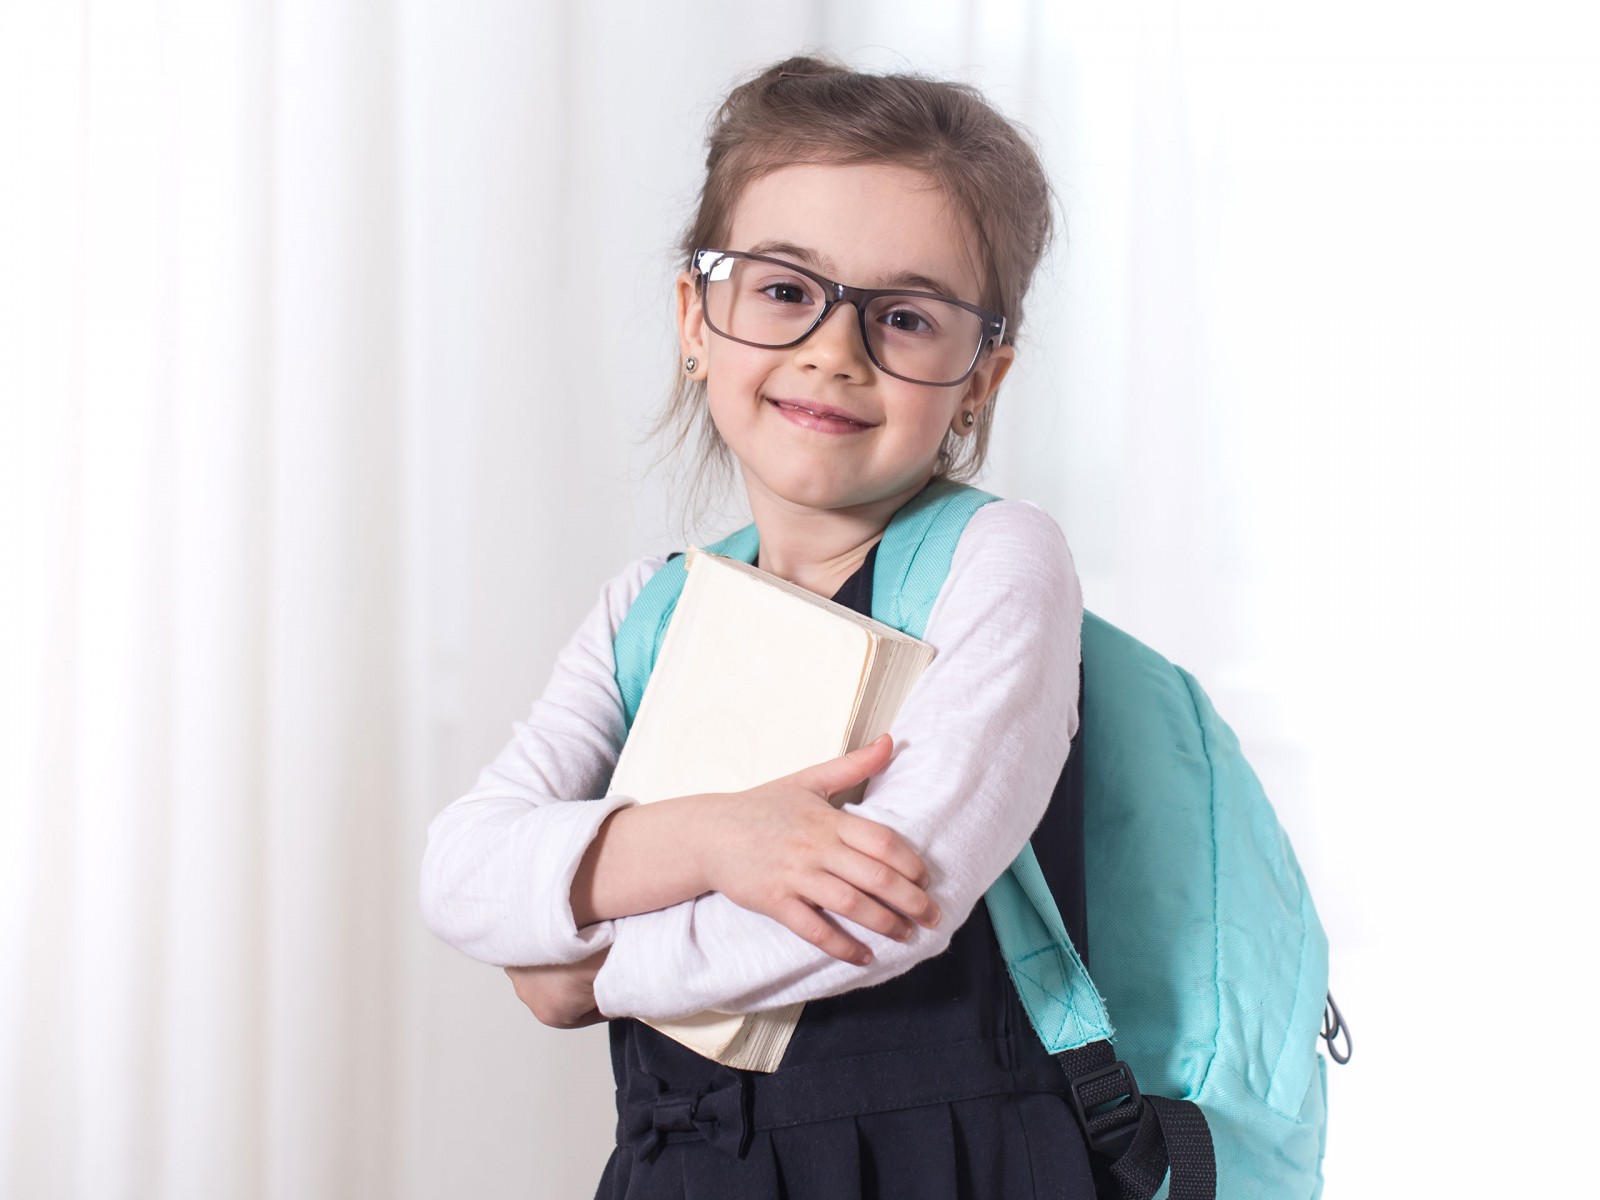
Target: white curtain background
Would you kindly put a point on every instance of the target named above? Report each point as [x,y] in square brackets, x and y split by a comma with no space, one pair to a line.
[329,330]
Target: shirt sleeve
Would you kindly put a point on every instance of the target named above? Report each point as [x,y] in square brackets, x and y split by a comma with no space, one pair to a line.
[497,872]
[980,743]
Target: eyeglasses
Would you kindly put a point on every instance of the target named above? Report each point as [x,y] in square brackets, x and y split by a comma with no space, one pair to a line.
[916,336]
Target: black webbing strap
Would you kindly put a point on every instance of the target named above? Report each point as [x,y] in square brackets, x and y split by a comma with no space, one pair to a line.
[1136,1138]
[1188,1149]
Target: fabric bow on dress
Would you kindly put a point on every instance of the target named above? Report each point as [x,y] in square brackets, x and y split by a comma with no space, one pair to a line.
[719,1113]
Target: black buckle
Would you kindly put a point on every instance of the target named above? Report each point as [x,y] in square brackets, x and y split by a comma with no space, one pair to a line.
[1109,1122]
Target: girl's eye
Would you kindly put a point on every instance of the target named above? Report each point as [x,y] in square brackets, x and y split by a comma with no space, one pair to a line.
[906,320]
[786,291]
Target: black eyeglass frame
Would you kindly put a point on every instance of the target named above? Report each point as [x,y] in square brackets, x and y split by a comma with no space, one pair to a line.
[994,325]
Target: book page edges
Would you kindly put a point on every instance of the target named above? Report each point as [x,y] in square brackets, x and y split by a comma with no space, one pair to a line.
[745,1041]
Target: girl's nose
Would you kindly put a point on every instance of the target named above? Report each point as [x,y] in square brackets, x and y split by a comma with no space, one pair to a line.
[836,347]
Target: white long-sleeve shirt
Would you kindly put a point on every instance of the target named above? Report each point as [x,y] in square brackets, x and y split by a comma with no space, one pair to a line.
[979,744]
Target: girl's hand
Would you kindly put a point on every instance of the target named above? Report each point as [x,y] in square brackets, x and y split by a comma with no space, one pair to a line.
[561,996]
[783,850]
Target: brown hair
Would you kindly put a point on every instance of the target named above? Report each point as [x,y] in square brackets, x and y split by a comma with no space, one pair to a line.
[811,110]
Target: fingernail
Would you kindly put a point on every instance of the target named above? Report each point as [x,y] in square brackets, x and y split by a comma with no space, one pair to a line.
[934,917]
[864,958]
[903,931]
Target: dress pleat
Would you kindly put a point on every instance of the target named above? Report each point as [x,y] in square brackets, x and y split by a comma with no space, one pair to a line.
[910,1154]
[819,1160]
[960,1156]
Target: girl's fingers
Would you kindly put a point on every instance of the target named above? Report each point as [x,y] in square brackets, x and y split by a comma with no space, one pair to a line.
[800,918]
[884,844]
[865,874]
[843,773]
[839,896]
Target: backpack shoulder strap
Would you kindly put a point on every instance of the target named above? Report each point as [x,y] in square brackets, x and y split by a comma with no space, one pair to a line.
[913,561]
[915,553]
[638,639]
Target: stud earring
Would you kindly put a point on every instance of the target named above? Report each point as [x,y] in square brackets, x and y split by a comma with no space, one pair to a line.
[690,363]
[966,420]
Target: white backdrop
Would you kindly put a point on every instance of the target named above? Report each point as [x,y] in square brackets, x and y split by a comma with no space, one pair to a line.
[328,332]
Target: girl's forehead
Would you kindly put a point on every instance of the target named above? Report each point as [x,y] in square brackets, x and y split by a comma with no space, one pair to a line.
[868,225]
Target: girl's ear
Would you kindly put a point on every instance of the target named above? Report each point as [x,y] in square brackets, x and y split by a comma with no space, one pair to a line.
[981,387]
[691,327]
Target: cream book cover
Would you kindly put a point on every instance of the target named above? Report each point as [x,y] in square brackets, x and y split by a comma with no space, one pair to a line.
[757,678]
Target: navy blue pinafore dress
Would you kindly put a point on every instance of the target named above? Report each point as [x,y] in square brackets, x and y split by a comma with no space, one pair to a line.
[931,1086]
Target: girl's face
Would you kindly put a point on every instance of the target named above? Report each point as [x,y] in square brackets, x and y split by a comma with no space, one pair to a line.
[866,226]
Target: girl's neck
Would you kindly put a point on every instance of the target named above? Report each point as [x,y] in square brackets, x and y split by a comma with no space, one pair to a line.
[819,548]
[817,569]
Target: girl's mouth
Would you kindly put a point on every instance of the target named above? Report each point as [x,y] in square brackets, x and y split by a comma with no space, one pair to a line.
[820,417]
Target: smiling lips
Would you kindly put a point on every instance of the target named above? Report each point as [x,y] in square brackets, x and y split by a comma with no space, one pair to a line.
[821,417]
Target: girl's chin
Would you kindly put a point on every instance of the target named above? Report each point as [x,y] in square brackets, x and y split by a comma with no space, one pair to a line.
[802,490]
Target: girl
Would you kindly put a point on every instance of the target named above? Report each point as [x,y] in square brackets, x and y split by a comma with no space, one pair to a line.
[914,1071]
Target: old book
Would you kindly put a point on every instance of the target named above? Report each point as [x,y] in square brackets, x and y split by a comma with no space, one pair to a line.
[758,678]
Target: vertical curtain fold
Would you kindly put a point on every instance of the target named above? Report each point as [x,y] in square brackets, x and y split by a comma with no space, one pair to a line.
[201,858]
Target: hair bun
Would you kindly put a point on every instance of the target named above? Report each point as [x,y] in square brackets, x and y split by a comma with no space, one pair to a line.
[805,66]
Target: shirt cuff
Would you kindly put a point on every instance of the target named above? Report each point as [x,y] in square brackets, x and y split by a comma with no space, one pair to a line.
[656,946]
[565,835]
[498,886]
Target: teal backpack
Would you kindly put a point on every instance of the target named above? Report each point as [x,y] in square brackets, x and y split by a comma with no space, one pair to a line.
[1205,941]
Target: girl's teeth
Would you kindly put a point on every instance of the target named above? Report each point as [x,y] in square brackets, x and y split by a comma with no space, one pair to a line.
[821,416]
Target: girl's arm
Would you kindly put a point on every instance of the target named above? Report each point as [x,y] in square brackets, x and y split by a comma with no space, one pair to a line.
[980,743]
[498,869]
[780,849]
[514,877]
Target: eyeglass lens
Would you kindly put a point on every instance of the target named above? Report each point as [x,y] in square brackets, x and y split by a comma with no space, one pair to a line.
[926,340]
